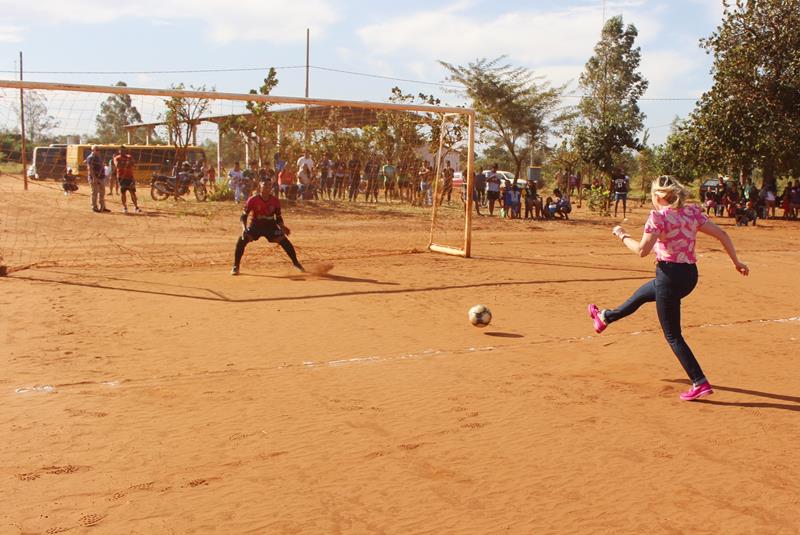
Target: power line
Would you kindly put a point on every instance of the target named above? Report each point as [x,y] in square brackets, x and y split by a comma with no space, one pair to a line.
[328,69]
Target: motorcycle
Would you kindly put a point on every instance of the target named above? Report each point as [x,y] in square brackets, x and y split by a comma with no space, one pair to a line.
[163,186]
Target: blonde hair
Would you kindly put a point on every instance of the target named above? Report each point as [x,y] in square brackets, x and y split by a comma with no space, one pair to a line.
[668,188]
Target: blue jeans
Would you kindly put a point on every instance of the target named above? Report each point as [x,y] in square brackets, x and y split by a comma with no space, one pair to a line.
[673,282]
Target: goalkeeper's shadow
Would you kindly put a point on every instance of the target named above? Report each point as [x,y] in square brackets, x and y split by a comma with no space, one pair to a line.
[323,276]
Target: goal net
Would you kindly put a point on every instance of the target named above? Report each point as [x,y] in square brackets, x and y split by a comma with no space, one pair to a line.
[192,155]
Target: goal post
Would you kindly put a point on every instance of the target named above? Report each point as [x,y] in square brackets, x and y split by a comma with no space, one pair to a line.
[415,159]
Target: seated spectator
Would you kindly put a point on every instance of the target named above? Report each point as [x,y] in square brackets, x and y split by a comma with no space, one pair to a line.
[533,203]
[745,214]
[69,182]
[559,205]
[286,183]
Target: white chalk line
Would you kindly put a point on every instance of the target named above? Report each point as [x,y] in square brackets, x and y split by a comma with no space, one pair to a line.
[372,359]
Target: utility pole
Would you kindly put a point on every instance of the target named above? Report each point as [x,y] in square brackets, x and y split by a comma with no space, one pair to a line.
[22,126]
[305,111]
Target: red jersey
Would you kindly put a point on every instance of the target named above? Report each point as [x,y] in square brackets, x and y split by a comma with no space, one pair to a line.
[263,209]
[123,163]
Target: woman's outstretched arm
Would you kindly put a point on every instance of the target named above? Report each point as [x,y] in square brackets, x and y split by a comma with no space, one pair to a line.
[713,230]
[642,247]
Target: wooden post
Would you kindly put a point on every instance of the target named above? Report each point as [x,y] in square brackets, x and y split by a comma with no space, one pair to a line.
[22,127]
[219,153]
[435,185]
[470,185]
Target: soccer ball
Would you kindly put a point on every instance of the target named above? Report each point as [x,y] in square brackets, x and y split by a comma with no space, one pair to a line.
[480,316]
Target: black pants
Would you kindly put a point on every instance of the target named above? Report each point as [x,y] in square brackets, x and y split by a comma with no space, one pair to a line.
[272,233]
[673,282]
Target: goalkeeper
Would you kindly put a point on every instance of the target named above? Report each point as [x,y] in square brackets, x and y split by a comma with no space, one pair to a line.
[266,222]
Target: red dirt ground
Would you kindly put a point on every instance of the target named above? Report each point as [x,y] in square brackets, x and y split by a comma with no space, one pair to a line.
[145,390]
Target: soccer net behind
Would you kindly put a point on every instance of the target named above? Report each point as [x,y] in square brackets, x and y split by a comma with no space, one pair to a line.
[199,152]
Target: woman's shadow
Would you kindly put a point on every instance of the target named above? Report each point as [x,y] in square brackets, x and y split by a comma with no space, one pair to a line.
[752,404]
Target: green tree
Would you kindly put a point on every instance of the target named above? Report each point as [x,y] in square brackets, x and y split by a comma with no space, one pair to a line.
[260,127]
[182,116]
[612,86]
[514,108]
[116,112]
[38,121]
[751,115]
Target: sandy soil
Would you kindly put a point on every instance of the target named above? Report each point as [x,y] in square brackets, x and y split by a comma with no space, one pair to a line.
[145,390]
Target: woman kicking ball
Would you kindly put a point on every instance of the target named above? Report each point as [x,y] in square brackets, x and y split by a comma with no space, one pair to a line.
[671,230]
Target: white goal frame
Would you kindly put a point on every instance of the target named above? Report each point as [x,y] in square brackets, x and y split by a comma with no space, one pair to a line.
[465,250]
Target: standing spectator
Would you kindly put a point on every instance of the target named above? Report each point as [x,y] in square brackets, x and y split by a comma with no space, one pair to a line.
[402,181]
[388,172]
[280,163]
[425,184]
[794,201]
[447,183]
[306,160]
[305,174]
[480,188]
[620,184]
[326,167]
[533,203]
[123,165]
[304,177]
[493,188]
[371,171]
[236,180]
[250,176]
[211,176]
[339,174]
[475,193]
[94,164]
[112,177]
[354,177]
[516,198]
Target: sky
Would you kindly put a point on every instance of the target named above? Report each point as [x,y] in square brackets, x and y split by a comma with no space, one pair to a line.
[80,41]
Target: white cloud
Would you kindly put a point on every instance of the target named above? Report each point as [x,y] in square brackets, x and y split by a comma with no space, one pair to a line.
[252,20]
[11,34]
[555,43]
[452,33]
[665,69]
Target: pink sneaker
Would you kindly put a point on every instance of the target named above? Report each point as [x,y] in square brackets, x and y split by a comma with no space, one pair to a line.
[697,392]
[594,313]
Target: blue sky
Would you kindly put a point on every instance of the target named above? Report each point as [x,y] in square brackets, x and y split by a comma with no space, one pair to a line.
[402,40]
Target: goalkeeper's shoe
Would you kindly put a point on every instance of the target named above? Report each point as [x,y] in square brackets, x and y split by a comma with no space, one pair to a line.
[235,270]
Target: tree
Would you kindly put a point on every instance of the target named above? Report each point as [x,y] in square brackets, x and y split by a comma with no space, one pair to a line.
[610,115]
[260,127]
[38,122]
[513,107]
[751,115]
[181,119]
[116,112]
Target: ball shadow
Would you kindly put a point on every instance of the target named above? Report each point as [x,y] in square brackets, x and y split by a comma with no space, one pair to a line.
[503,335]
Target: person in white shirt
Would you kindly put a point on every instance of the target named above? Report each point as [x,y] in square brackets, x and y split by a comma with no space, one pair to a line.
[305,160]
[237,182]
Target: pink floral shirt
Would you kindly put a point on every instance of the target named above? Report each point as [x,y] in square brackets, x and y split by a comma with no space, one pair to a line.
[677,232]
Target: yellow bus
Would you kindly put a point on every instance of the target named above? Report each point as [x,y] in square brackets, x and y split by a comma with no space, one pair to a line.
[148,159]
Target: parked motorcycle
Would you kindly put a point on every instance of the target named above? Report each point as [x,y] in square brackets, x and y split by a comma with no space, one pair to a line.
[163,186]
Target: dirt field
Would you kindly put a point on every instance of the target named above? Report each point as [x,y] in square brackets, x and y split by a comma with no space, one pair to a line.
[145,390]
